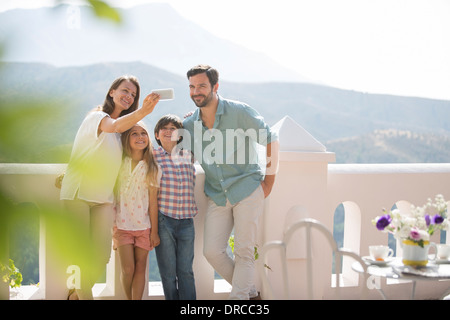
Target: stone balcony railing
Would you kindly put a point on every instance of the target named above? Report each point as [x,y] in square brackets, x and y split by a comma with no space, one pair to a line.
[305,178]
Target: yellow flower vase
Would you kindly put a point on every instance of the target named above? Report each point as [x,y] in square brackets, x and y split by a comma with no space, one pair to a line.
[415,255]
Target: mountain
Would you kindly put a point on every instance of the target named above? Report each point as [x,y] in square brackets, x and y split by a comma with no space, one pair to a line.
[155,34]
[344,121]
[392,146]
[330,113]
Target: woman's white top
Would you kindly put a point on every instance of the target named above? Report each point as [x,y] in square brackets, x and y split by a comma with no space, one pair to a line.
[94,163]
[133,198]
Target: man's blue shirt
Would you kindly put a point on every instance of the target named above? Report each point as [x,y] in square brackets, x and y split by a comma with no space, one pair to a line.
[228,153]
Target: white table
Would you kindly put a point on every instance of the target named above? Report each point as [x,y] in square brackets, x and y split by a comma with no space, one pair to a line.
[434,271]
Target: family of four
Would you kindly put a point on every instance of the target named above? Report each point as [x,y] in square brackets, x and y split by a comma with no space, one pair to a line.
[116,180]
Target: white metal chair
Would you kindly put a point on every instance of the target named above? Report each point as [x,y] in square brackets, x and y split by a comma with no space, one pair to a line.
[309,225]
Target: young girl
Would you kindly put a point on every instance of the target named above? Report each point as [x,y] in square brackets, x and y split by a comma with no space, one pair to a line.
[136,220]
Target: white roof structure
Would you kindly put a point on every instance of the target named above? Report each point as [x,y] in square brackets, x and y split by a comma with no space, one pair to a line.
[293,137]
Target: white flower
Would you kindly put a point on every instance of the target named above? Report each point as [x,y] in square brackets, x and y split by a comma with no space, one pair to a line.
[424,235]
[420,222]
[403,232]
[409,221]
[446,225]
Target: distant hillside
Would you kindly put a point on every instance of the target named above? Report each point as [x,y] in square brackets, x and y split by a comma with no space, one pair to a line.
[331,115]
[392,146]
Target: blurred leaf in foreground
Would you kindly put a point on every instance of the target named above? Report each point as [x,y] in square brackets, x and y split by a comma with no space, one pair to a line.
[27,130]
[104,10]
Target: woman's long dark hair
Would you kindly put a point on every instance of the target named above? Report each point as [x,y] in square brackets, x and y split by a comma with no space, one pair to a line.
[108,105]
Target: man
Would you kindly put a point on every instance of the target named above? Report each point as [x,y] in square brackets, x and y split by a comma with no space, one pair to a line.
[224,138]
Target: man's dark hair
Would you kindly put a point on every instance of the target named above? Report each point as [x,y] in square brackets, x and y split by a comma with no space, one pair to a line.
[213,74]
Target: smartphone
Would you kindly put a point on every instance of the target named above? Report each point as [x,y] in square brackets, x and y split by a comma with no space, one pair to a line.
[165,94]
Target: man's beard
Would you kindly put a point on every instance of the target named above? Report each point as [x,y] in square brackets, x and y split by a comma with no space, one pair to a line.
[206,99]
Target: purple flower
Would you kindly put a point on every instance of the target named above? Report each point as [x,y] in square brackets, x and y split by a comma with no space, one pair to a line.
[383,222]
[437,219]
[428,220]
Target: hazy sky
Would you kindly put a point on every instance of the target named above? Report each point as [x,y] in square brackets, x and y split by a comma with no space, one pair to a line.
[380,46]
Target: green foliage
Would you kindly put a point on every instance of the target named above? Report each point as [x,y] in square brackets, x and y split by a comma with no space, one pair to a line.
[24,241]
[10,274]
[29,129]
[26,128]
[103,10]
[66,234]
[256,254]
[231,243]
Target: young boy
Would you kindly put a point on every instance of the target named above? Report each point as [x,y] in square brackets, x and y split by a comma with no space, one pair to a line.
[177,208]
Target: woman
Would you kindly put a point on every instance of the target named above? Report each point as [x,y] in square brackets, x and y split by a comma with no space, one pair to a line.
[87,186]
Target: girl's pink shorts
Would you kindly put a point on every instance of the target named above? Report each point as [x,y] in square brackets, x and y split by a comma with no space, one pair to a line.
[139,238]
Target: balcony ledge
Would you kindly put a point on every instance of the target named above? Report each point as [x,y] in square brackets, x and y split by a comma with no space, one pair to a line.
[390,168]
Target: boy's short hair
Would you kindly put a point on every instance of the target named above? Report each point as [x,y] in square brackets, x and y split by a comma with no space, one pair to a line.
[165,120]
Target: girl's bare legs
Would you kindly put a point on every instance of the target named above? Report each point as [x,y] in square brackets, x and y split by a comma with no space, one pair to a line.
[133,261]
[126,254]
[140,267]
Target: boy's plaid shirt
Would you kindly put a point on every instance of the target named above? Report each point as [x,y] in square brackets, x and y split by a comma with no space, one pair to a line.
[176,193]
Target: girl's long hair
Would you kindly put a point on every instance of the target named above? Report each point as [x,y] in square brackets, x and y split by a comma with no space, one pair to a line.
[152,166]
[108,104]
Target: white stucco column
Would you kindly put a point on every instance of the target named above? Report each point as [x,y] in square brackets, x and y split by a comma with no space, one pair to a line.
[301,180]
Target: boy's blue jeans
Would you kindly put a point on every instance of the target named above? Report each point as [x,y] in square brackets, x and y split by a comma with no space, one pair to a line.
[175,256]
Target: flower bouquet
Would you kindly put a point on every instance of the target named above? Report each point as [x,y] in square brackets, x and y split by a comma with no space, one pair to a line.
[419,225]
[415,229]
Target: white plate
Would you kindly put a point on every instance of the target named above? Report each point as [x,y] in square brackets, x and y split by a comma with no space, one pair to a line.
[372,261]
[441,261]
